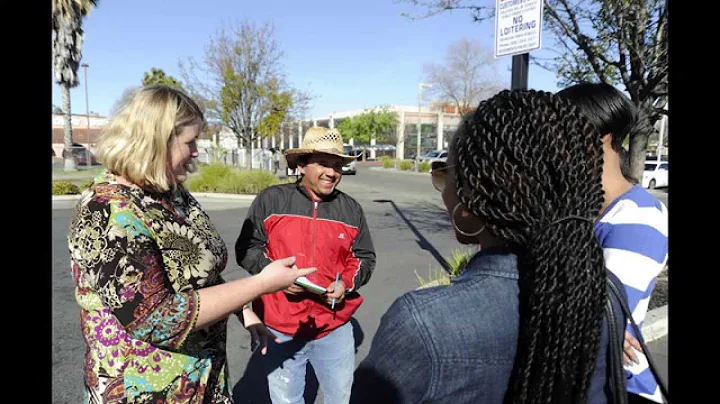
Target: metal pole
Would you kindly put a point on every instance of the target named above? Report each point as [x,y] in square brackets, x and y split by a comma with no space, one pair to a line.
[520,64]
[87,110]
[417,153]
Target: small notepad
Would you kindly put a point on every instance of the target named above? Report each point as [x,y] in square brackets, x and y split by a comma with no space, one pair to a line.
[309,285]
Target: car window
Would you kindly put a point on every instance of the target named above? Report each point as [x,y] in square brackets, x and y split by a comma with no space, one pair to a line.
[443,154]
[650,166]
[432,154]
[664,166]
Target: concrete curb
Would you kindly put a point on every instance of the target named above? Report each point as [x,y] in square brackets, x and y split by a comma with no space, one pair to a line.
[196,195]
[65,197]
[655,325]
[394,171]
[223,196]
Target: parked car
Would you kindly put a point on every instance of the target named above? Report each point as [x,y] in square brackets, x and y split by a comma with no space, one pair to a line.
[80,153]
[434,155]
[349,168]
[655,174]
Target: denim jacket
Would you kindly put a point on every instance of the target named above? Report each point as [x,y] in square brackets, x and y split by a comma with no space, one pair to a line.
[456,344]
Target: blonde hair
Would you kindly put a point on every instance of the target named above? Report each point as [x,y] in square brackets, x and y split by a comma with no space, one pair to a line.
[135,143]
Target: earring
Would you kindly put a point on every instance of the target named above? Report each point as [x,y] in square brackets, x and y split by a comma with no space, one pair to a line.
[457,229]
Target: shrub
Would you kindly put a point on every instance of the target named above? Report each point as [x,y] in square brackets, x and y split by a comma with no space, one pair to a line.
[406,165]
[220,178]
[64,188]
[424,167]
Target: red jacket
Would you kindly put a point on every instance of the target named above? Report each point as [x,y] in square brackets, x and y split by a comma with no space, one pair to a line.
[330,234]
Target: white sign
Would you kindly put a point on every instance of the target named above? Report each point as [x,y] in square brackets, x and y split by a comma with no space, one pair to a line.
[518,26]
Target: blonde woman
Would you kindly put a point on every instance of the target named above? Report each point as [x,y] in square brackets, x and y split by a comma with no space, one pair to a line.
[146,261]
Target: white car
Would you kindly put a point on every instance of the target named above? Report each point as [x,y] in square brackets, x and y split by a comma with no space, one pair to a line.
[655,174]
[435,155]
[349,168]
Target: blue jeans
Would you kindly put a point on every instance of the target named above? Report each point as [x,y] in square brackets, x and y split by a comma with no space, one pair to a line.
[332,357]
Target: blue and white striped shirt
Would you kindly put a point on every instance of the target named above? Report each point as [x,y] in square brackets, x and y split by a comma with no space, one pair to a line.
[633,233]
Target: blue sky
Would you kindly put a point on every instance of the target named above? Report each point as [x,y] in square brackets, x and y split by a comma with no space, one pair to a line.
[349,54]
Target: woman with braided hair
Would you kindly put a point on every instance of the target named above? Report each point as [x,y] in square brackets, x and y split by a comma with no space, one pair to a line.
[524,322]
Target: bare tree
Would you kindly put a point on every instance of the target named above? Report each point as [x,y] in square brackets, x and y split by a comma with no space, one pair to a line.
[124,98]
[467,75]
[241,82]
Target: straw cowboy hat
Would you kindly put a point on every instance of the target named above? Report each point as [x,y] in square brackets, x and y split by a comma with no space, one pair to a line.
[318,140]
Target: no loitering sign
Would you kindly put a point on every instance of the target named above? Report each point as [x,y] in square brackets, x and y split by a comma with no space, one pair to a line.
[518,26]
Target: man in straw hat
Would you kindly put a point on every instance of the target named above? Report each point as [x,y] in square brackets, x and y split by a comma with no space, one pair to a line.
[325,228]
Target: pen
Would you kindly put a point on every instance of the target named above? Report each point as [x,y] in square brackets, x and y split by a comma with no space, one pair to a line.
[337,278]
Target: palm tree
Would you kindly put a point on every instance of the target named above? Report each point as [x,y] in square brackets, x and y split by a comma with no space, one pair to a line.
[67,52]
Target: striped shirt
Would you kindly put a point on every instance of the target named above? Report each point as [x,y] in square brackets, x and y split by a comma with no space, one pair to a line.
[633,233]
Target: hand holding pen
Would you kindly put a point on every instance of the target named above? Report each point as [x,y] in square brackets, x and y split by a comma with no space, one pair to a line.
[336,292]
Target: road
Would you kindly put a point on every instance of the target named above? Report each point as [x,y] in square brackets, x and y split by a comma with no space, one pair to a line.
[409,227]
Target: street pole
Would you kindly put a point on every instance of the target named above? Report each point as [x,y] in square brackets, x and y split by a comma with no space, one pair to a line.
[520,64]
[87,111]
[419,124]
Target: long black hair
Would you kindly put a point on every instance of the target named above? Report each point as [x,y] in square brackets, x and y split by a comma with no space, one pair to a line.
[524,160]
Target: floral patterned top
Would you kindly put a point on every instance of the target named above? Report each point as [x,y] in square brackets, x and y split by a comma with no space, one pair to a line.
[138,259]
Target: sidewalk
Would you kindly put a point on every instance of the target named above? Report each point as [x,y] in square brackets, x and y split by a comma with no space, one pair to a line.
[394,171]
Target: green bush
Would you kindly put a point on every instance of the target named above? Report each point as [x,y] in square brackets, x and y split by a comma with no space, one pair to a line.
[388,162]
[85,185]
[219,178]
[406,165]
[384,158]
[424,167]
[64,188]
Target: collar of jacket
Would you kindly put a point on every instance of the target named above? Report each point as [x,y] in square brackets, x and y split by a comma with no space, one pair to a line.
[303,190]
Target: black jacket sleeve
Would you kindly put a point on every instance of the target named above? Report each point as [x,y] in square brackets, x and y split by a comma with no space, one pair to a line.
[250,250]
[364,252]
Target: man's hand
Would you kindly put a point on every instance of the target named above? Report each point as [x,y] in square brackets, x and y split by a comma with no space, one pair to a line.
[628,352]
[338,294]
[294,290]
[259,333]
[281,275]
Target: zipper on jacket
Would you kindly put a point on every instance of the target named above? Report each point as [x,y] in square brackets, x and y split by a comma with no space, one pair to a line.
[312,230]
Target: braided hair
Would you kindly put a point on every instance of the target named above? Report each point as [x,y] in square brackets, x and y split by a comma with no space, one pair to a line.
[524,160]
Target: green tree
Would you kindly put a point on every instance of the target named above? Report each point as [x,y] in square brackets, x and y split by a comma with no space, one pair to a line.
[158,76]
[67,37]
[379,124]
[619,42]
[243,83]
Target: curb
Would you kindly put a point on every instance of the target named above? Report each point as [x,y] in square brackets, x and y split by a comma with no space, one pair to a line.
[655,325]
[65,197]
[222,196]
[196,195]
[394,171]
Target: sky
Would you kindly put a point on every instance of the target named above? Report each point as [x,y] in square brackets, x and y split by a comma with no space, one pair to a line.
[349,54]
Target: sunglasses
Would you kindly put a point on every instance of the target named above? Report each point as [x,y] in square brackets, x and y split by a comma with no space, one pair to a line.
[438,174]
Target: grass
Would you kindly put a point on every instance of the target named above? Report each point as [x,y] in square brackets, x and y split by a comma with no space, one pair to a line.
[437,277]
[59,174]
[219,178]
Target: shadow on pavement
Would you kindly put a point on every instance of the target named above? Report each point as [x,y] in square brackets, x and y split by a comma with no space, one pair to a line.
[252,388]
[433,219]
